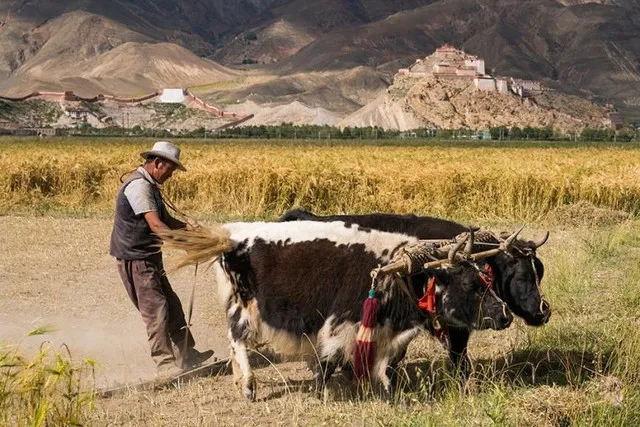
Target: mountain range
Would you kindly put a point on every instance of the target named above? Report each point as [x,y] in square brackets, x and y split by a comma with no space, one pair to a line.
[332,54]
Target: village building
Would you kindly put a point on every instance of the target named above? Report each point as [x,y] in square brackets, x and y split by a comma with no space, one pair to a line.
[7,127]
[45,131]
[476,63]
[617,122]
[615,117]
[173,96]
[502,86]
[78,115]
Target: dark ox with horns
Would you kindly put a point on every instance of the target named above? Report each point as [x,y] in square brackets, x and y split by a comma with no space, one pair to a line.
[300,287]
[516,273]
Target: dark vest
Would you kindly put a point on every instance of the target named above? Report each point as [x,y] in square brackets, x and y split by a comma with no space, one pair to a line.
[132,237]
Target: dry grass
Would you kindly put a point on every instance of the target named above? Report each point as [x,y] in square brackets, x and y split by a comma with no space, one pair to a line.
[585,213]
[49,389]
[249,180]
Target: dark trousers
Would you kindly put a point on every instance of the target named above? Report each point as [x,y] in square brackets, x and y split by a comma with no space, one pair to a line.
[160,308]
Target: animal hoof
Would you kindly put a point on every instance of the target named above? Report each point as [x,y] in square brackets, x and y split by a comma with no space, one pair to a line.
[388,394]
[249,389]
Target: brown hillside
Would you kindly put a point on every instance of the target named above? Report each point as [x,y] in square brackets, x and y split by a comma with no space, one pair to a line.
[90,54]
[455,104]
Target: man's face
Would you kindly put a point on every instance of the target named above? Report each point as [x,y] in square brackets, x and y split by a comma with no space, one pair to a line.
[163,170]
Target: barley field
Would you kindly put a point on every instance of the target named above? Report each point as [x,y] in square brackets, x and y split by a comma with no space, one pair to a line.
[246,179]
[580,369]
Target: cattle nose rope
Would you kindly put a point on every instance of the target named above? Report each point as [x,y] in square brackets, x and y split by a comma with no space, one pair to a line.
[188,325]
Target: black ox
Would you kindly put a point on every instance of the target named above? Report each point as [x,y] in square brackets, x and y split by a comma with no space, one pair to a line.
[300,287]
[517,273]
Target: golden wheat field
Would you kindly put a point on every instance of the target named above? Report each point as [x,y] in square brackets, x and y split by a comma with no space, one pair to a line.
[580,369]
[250,180]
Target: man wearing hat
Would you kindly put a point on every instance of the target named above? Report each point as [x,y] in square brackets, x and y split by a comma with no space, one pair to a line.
[140,214]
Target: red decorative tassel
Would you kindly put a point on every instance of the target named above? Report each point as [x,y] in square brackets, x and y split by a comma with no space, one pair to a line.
[365,353]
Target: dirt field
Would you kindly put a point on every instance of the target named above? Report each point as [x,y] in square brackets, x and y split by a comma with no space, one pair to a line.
[57,272]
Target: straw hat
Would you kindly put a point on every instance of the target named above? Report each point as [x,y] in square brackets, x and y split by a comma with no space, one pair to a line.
[167,151]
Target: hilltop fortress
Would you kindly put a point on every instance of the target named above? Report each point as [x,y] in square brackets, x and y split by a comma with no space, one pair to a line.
[450,63]
[451,89]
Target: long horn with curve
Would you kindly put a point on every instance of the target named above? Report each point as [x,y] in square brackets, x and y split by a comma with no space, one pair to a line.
[454,250]
[542,240]
[513,237]
[468,249]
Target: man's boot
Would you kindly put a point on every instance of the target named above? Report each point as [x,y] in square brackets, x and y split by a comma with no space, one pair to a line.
[168,371]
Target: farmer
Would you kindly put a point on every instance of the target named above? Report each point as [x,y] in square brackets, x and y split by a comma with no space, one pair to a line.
[140,213]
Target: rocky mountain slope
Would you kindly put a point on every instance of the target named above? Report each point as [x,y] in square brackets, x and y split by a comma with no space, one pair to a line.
[585,48]
[456,104]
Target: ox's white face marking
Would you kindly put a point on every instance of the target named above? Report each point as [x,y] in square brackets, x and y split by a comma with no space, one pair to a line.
[441,294]
[374,241]
[448,314]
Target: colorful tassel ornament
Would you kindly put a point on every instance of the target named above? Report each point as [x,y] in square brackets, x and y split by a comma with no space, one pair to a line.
[365,353]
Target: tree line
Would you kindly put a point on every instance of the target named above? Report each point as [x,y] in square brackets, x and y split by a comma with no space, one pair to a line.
[291,131]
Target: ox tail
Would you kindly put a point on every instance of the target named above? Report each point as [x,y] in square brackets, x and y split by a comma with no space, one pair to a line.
[201,244]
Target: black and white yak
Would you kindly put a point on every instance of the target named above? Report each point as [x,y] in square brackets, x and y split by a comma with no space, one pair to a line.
[516,273]
[300,287]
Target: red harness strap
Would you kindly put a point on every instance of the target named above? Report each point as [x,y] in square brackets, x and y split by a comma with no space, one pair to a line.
[428,304]
[488,278]
[428,300]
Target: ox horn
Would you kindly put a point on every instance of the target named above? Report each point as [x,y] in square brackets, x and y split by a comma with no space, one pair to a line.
[454,250]
[542,240]
[468,249]
[513,237]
